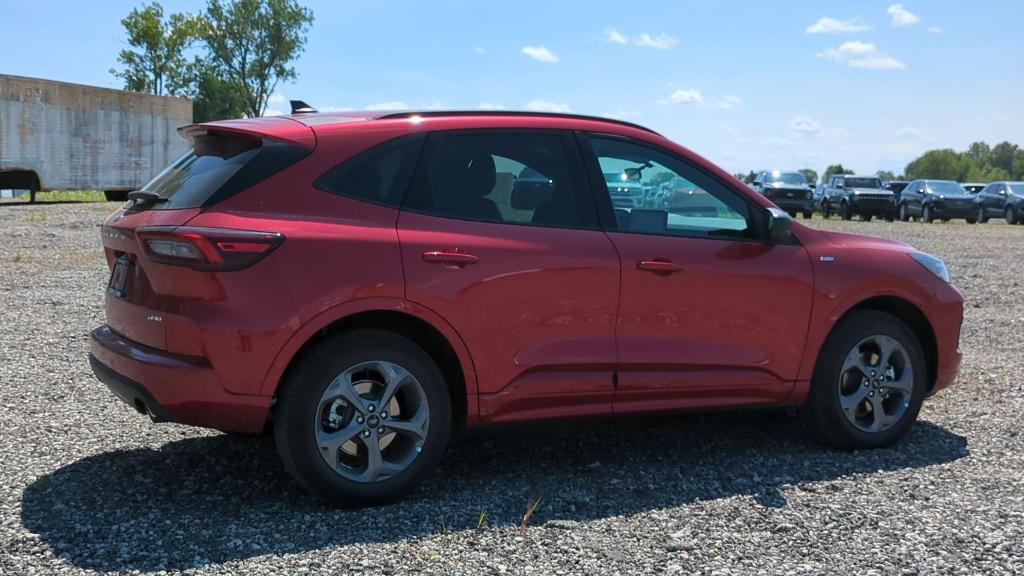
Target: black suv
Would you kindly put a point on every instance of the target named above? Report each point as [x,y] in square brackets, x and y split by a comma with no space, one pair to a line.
[1004,199]
[942,199]
[788,190]
[864,196]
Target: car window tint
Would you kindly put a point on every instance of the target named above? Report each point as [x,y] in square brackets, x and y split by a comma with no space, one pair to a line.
[655,192]
[379,175]
[508,178]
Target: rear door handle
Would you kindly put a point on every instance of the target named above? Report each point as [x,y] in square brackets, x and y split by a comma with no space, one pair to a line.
[450,257]
[659,266]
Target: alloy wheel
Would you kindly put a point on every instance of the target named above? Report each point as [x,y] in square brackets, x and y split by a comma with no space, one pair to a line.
[372,421]
[876,383]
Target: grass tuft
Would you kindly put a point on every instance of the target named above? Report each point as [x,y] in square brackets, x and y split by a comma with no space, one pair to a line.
[530,509]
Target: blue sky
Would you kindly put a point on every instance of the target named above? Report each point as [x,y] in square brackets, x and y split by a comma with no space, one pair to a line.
[747,84]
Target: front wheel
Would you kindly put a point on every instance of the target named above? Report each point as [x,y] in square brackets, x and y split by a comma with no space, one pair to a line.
[1011,215]
[844,211]
[363,418]
[982,216]
[867,217]
[926,215]
[869,382]
[904,216]
[808,214]
[824,210]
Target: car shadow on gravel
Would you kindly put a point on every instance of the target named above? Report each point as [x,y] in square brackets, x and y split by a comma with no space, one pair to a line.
[212,499]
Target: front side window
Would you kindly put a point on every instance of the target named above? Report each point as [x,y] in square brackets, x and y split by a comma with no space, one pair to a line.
[513,178]
[677,199]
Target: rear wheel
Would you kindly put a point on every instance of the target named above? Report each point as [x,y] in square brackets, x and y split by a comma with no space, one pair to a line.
[808,214]
[904,216]
[363,418]
[867,217]
[1011,215]
[869,382]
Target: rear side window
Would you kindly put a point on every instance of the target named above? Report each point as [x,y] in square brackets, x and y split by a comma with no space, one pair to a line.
[379,175]
[219,166]
[512,178]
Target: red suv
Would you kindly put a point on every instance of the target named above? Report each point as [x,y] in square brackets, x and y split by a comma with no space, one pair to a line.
[368,284]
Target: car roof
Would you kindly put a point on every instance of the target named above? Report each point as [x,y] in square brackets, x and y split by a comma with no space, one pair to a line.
[323,118]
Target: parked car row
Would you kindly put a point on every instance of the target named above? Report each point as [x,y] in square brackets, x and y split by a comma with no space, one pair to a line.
[868,197]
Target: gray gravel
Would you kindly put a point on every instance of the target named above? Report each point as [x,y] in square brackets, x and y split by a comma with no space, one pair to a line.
[89,485]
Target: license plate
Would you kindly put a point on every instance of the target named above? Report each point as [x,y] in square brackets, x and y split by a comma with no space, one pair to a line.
[118,284]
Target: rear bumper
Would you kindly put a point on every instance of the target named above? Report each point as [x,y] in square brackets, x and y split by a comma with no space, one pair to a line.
[172,387]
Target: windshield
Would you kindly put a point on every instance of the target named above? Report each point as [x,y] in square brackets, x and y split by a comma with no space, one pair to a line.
[1017,188]
[863,182]
[795,178]
[944,187]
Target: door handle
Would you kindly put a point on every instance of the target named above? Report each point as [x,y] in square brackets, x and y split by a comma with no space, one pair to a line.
[659,266]
[450,257]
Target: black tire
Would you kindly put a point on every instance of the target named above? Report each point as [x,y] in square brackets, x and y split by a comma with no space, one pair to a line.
[944,220]
[824,211]
[867,217]
[972,220]
[904,215]
[844,211]
[982,216]
[808,214]
[823,410]
[791,214]
[299,398]
[926,214]
[115,195]
[1011,215]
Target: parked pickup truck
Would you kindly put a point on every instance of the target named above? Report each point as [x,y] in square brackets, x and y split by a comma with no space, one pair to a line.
[849,196]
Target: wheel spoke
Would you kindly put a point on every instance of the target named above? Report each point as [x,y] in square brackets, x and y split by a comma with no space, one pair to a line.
[415,426]
[342,386]
[904,385]
[856,360]
[886,346]
[374,458]
[395,376]
[851,401]
[330,442]
[881,419]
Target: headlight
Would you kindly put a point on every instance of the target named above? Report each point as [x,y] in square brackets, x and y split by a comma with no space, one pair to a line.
[934,265]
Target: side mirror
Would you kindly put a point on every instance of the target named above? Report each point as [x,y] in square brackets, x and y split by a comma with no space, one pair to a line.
[780,225]
[840,185]
[1002,192]
[922,191]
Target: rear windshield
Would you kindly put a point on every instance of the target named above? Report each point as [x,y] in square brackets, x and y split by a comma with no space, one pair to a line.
[863,182]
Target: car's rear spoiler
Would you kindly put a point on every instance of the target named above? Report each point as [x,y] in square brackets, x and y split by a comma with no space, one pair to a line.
[275,128]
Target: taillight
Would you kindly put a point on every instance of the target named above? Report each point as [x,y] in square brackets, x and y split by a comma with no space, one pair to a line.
[206,248]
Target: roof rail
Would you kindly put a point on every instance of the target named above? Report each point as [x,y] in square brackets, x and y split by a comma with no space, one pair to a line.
[427,113]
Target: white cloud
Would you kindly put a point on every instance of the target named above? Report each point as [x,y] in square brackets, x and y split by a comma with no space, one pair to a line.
[661,41]
[876,62]
[335,109]
[864,55]
[392,105]
[623,114]
[275,98]
[803,125]
[935,30]
[901,16]
[539,105]
[490,106]
[540,53]
[683,96]
[729,101]
[615,37]
[834,26]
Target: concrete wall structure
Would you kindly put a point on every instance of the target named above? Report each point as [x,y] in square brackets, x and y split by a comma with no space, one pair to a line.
[76,137]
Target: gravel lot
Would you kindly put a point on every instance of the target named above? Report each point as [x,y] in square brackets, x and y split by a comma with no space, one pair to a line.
[89,485]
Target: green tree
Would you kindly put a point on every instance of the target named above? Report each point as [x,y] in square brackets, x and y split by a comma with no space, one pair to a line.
[660,178]
[980,153]
[835,169]
[251,44]
[886,175]
[750,177]
[1018,165]
[809,175]
[944,164]
[1003,156]
[155,62]
[214,98]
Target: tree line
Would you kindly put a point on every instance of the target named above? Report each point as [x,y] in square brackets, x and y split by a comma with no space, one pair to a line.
[979,163]
[227,59]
